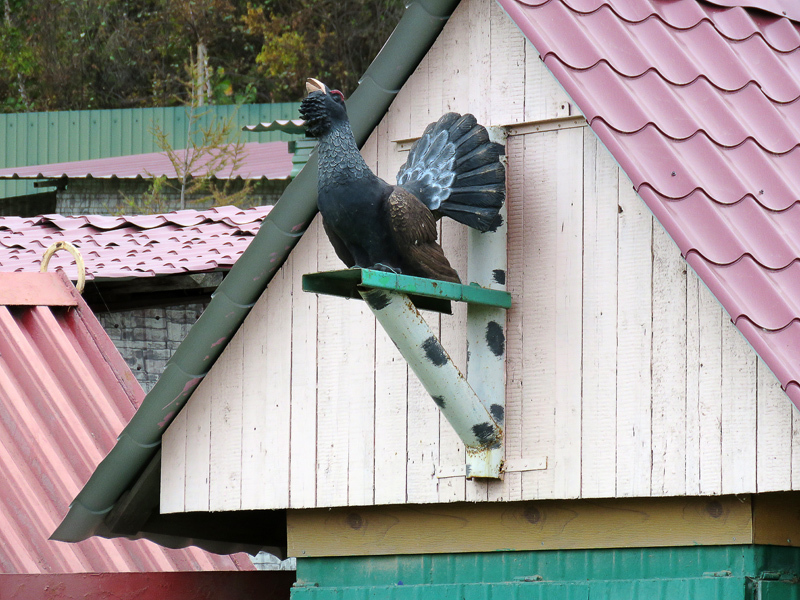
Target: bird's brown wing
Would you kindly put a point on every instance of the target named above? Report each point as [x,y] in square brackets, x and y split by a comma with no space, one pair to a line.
[413,231]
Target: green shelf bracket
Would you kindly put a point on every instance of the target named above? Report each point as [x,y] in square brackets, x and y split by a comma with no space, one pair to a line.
[426,294]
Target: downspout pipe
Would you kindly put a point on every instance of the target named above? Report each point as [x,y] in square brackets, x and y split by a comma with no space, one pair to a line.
[416,32]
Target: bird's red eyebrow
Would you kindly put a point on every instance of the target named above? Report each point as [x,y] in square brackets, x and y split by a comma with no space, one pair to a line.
[337,93]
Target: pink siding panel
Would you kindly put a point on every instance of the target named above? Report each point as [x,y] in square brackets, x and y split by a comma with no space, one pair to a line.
[65,394]
[698,103]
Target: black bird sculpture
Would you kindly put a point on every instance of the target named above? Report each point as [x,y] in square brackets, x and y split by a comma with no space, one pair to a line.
[453,169]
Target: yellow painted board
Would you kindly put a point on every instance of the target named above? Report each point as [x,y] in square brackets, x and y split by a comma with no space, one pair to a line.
[776,519]
[540,525]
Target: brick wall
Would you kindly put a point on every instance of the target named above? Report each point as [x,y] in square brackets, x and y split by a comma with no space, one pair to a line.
[148,337]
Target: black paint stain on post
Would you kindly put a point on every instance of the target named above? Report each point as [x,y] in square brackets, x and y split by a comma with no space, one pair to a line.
[439,400]
[495,338]
[499,276]
[377,299]
[434,351]
[498,412]
[484,432]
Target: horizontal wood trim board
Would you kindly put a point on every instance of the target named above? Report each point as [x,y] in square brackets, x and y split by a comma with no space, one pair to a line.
[541,525]
[554,124]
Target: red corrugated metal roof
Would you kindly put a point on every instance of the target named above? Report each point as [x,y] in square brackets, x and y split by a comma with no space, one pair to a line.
[186,241]
[65,394]
[699,105]
[268,160]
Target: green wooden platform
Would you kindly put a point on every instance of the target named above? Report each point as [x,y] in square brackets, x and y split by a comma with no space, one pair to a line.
[426,294]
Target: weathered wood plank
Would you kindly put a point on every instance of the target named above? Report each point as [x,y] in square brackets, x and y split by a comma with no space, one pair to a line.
[692,383]
[436,83]
[336,327]
[738,413]
[796,450]
[599,408]
[357,387]
[255,429]
[669,367]
[544,97]
[173,465]
[480,66]
[541,525]
[198,444]
[634,334]
[277,397]
[422,440]
[538,310]
[226,429]
[391,397]
[455,63]
[569,311]
[711,319]
[774,437]
[507,104]
[398,117]
[266,376]
[515,350]
[302,469]
[419,108]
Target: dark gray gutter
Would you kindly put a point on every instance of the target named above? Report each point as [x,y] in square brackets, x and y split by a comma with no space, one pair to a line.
[138,443]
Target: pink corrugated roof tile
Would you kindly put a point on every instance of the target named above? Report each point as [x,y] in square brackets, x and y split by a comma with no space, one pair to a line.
[699,103]
[267,160]
[65,394]
[132,246]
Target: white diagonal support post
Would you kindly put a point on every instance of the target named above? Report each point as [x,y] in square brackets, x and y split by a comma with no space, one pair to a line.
[469,416]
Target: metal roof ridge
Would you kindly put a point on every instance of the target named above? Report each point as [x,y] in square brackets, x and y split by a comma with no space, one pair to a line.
[282,228]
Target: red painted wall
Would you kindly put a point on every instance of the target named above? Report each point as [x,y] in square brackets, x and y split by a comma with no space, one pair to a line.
[220,585]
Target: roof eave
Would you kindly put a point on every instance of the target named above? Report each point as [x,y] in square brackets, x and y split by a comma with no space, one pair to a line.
[421,23]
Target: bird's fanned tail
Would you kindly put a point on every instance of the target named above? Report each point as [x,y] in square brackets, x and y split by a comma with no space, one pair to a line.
[455,170]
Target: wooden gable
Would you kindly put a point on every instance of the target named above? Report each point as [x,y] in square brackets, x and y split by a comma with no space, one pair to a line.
[624,375]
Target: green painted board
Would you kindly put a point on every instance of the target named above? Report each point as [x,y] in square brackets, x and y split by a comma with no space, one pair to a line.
[426,294]
[677,573]
[777,590]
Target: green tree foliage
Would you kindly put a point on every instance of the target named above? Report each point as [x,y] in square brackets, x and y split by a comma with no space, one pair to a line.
[332,40]
[81,54]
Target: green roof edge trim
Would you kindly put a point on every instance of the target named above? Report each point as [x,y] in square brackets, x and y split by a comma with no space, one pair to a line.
[419,27]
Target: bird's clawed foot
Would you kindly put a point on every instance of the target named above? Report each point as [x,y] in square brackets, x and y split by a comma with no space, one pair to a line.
[386,268]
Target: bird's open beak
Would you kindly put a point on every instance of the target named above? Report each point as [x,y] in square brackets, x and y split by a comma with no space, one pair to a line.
[315,85]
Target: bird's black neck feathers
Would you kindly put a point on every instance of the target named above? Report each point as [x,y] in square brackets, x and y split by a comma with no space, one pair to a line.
[340,162]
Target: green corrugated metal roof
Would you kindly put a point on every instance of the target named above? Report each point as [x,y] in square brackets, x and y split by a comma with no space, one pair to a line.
[43,138]
[422,22]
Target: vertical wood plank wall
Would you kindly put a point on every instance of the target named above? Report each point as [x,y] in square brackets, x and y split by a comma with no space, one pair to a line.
[624,376]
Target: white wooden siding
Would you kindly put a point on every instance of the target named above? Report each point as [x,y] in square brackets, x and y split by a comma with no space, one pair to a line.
[624,375]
